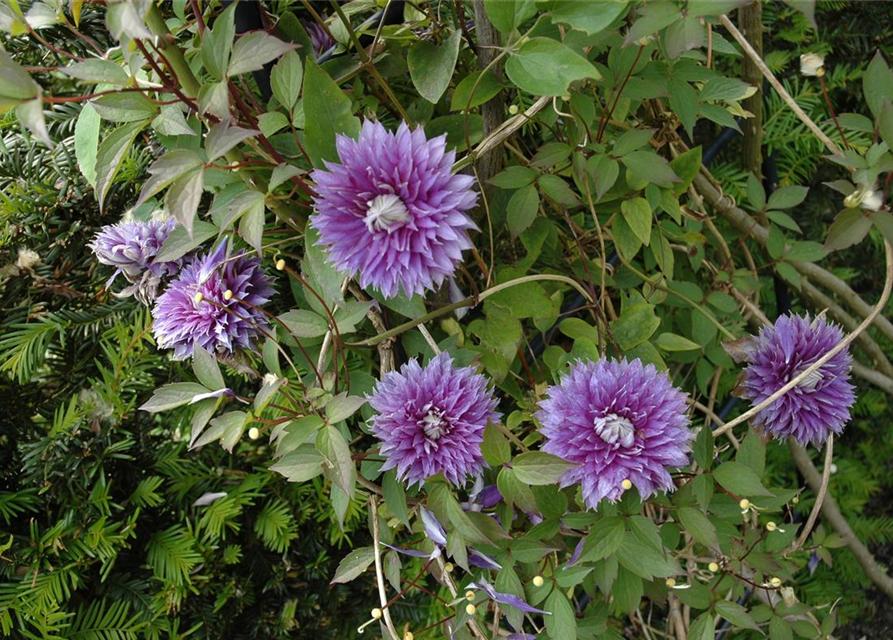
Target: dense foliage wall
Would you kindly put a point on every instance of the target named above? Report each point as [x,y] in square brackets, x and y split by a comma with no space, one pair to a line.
[187,450]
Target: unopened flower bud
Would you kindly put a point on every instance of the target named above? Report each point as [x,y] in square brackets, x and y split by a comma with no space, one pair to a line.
[713,567]
[538,581]
[448,567]
[469,595]
[771,526]
[376,613]
[280,264]
[228,294]
[626,484]
[671,582]
[513,109]
[744,504]
[254,433]
[470,609]
[775,582]
[199,297]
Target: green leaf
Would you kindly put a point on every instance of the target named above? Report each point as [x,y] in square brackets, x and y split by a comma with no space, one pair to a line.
[97,71]
[850,227]
[637,213]
[684,35]
[788,273]
[223,136]
[545,67]
[227,428]
[343,406]
[206,369]
[775,243]
[86,142]
[627,590]
[698,525]
[509,14]
[486,90]
[562,624]
[885,121]
[255,49]
[739,479]
[877,83]
[703,628]
[644,560]
[674,342]
[653,17]
[166,169]
[183,197]
[322,275]
[304,323]
[525,300]
[805,251]
[737,615]
[779,629]
[330,111]
[723,88]
[111,154]
[712,7]
[593,16]
[635,325]
[217,44]
[173,395]
[178,243]
[787,197]
[495,448]
[522,208]
[16,84]
[538,467]
[884,222]
[394,496]
[431,65]
[300,465]
[684,103]
[124,107]
[339,466]
[353,565]
[170,122]
[514,177]
[286,79]
[703,449]
[649,167]
[603,540]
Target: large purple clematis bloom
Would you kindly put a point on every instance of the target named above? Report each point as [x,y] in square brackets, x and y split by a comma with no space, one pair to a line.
[213,304]
[392,211]
[432,420]
[817,406]
[618,421]
[131,248]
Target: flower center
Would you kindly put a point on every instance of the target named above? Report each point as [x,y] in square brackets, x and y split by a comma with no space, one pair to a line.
[810,381]
[615,430]
[433,424]
[384,212]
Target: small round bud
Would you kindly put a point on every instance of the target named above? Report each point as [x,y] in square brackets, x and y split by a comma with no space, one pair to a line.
[280,264]
[254,433]
[538,581]
[775,582]
[566,97]
[448,567]
[795,500]
[513,109]
[833,468]
[744,504]
[199,297]
[469,595]
[470,609]
[376,613]
[771,526]
[626,484]
[671,582]
[713,567]
[408,636]
[228,295]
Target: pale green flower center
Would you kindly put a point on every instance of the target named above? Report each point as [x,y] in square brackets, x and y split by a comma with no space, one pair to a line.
[384,212]
[615,430]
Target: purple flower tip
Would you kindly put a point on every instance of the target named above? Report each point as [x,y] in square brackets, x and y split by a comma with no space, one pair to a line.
[392,211]
[618,421]
[819,405]
[214,304]
[432,420]
[131,248]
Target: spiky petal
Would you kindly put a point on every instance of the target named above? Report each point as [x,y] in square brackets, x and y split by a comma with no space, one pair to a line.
[392,211]
[195,308]
[431,420]
[820,404]
[131,248]
[618,421]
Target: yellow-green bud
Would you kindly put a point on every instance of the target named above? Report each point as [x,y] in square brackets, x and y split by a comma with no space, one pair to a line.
[254,433]
[199,298]
[538,581]
[671,583]
[228,295]
[470,609]
[744,504]
[280,264]
[376,613]
[713,567]
[626,484]
[771,526]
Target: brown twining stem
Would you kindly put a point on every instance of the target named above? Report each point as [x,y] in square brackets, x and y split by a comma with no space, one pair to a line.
[606,115]
[172,83]
[197,12]
[831,107]
[51,47]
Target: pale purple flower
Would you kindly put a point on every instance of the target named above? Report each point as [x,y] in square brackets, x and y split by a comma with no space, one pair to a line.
[131,247]
[320,40]
[392,211]
[432,420]
[505,598]
[819,405]
[618,421]
[213,304]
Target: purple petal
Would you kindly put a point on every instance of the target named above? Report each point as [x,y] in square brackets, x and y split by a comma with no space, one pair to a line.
[478,559]
[432,528]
